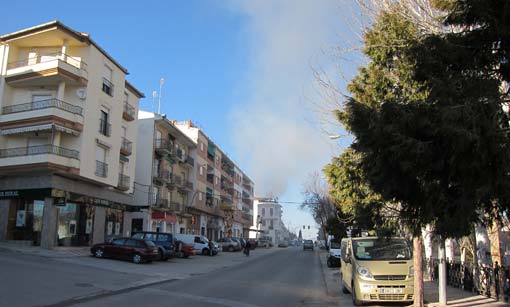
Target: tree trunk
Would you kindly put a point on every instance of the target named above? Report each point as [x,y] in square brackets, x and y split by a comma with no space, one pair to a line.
[418,271]
[442,272]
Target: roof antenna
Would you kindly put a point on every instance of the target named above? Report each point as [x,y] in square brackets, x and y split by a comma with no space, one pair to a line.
[161,82]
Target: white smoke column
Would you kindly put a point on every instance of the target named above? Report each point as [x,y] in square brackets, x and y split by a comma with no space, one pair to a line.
[277,138]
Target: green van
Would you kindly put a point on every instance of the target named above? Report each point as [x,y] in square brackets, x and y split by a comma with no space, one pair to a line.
[377,269]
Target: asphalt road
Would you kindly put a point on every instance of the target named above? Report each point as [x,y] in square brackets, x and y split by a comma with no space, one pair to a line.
[288,278]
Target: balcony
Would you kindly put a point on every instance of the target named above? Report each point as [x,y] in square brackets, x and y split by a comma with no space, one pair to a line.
[129,112]
[175,181]
[101,169]
[126,147]
[190,161]
[40,155]
[43,104]
[226,206]
[47,69]
[163,147]
[39,150]
[161,202]
[162,176]
[124,182]
[105,128]
[175,206]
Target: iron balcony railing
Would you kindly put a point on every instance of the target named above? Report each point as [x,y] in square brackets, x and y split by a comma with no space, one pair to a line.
[189,185]
[107,87]
[43,104]
[129,112]
[161,202]
[190,161]
[126,146]
[105,128]
[46,58]
[163,175]
[175,206]
[101,169]
[162,144]
[124,182]
[39,150]
[176,180]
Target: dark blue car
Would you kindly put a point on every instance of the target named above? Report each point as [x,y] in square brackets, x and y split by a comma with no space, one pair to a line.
[164,241]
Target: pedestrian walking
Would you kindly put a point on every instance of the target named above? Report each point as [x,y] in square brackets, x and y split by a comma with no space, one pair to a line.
[211,248]
[247,248]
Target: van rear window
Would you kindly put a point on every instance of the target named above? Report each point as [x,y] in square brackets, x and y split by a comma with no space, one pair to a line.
[381,249]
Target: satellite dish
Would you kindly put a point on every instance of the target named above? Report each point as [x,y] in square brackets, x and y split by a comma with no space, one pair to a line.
[81,93]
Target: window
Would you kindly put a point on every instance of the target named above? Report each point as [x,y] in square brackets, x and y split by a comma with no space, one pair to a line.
[271,223]
[130,243]
[155,195]
[201,170]
[101,166]
[164,237]
[104,125]
[107,80]
[197,239]
[118,242]
[263,222]
[263,211]
[138,236]
[200,196]
[201,146]
[271,211]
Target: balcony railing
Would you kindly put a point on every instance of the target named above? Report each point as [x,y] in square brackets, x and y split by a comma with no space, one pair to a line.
[39,150]
[105,128]
[161,202]
[101,169]
[128,112]
[107,87]
[46,58]
[43,104]
[126,146]
[176,180]
[163,175]
[163,146]
[189,185]
[175,206]
[190,161]
[124,182]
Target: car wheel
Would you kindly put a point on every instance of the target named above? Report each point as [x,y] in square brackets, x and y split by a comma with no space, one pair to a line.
[99,253]
[344,289]
[230,248]
[137,258]
[355,300]
[162,255]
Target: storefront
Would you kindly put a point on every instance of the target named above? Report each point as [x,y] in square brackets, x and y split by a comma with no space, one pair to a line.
[163,222]
[75,224]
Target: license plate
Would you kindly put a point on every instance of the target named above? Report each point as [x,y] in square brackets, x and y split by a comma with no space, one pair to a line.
[392,291]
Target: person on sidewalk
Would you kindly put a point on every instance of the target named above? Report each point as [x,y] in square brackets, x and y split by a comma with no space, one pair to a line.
[211,248]
[247,248]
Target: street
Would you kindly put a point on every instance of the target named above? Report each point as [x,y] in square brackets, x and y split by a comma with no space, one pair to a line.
[269,277]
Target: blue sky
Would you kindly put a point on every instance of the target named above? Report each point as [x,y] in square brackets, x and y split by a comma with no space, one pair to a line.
[243,70]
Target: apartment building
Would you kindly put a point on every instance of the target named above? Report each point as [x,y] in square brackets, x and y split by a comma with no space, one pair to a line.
[67,133]
[219,206]
[165,176]
[271,225]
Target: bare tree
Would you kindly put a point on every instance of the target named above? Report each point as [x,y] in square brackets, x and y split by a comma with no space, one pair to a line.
[318,201]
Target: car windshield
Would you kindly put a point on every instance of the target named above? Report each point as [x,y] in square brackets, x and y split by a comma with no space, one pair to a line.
[335,245]
[150,243]
[381,249]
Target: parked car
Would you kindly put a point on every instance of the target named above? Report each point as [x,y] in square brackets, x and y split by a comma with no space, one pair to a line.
[217,247]
[241,241]
[334,254]
[283,244]
[229,244]
[164,241]
[308,244]
[135,250]
[183,250]
[200,243]
[265,242]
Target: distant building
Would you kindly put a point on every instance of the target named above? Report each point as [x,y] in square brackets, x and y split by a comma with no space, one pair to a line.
[271,224]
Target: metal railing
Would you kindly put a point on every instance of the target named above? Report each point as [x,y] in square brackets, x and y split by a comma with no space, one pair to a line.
[161,202]
[105,128]
[126,145]
[46,58]
[163,144]
[175,179]
[124,182]
[39,150]
[129,111]
[101,169]
[43,104]
[189,185]
[190,161]
[163,175]
[175,206]
[107,87]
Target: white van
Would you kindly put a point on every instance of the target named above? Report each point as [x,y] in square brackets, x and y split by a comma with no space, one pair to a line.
[201,243]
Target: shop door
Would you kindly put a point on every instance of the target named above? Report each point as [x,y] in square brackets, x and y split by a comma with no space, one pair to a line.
[85,225]
[136,225]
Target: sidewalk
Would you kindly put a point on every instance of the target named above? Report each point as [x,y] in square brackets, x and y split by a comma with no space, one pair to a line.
[457,297]
[57,252]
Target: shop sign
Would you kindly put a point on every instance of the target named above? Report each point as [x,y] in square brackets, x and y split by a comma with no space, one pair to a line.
[9,194]
[37,193]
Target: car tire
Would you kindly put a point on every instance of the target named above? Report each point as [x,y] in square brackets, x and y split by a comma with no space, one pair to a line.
[205,251]
[344,289]
[99,253]
[330,264]
[355,301]
[137,258]
[162,255]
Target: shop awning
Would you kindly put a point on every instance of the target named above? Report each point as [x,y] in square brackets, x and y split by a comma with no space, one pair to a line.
[163,216]
[44,127]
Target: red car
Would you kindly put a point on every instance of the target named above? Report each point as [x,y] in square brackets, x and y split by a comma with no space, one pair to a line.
[185,251]
[135,250]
